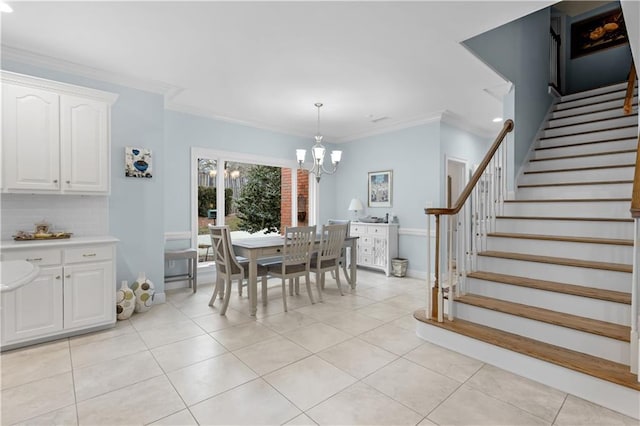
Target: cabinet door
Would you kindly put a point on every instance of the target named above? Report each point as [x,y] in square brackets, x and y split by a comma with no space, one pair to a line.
[380,257]
[89,295]
[30,139]
[34,309]
[84,144]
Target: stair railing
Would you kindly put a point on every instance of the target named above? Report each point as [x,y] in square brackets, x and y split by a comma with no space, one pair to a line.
[635,279]
[470,219]
[554,60]
[628,99]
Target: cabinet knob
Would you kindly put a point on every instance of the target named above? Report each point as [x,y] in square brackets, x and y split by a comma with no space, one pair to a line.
[68,182]
[34,259]
[89,255]
[58,277]
[55,181]
[68,276]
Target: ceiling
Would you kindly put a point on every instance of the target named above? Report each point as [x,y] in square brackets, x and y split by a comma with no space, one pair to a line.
[376,66]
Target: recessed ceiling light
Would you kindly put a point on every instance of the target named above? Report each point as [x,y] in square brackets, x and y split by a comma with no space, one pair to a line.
[4,7]
[497,119]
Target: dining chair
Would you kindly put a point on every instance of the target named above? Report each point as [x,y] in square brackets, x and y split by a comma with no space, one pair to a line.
[343,252]
[296,259]
[229,267]
[327,259]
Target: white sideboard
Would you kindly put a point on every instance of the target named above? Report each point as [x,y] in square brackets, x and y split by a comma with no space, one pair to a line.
[377,244]
[73,293]
[55,137]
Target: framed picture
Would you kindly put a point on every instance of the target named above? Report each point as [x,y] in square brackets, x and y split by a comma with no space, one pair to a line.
[380,188]
[598,32]
[137,162]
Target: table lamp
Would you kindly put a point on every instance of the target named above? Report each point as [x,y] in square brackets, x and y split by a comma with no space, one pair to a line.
[355,205]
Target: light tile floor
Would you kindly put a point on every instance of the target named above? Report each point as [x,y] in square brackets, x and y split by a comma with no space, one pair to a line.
[349,360]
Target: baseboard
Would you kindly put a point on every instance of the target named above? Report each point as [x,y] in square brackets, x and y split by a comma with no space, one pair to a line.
[159,298]
[609,395]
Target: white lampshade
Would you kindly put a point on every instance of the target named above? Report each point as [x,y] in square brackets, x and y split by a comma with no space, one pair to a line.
[336,156]
[356,205]
[318,153]
[301,154]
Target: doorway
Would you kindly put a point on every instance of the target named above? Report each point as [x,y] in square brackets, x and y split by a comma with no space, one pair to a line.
[456,180]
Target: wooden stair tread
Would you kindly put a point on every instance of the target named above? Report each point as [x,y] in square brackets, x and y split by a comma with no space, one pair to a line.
[588,325]
[564,288]
[563,261]
[579,219]
[571,145]
[608,92]
[570,200]
[580,169]
[604,182]
[577,361]
[591,154]
[589,112]
[589,132]
[590,240]
[589,104]
[598,120]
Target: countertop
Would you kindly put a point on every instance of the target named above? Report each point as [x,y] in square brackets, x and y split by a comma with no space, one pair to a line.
[67,242]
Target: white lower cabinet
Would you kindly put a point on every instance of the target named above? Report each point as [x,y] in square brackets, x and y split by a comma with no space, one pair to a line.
[87,295]
[74,291]
[377,244]
[33,310]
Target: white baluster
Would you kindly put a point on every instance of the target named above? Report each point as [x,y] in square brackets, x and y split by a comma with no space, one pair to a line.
[635,299]
[428,312]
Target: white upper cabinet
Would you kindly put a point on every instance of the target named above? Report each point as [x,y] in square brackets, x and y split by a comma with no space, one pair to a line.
[55,137]
[30,138]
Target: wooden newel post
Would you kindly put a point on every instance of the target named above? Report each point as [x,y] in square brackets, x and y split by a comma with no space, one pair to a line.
[434,290]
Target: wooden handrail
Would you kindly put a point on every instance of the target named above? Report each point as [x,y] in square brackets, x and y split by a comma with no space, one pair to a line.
[508,127]
[628,99]
[635,193]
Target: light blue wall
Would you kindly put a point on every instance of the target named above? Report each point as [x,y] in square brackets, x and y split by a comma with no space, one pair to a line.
[519,51]
[416,156]
[136,205]
[184,131]
[598,69]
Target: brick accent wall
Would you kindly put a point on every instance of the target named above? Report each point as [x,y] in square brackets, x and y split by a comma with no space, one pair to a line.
[285,197]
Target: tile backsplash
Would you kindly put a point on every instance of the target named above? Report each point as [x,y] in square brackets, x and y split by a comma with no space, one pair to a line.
[82,215]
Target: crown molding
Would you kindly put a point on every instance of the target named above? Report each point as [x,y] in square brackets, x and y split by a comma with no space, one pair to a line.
[174,106]
[49,62]
[405,124]
[460,122]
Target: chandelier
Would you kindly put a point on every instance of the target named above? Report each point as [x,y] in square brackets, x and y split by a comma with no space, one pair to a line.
[317,152]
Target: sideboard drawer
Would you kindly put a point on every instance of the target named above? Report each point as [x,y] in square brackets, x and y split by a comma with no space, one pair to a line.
[377,230]
[88,254]
[358,229]
[40,257]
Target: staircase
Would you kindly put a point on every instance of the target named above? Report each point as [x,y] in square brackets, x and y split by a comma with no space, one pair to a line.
[550,295]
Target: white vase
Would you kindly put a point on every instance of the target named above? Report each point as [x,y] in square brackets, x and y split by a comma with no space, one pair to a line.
[144,290]
[125,302]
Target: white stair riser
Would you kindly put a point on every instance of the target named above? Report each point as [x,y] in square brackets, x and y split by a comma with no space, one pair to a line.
[590,148]
[594,92]
[586,307]
[583,251]
[617,104]
[617,95]
[618,190]
[579,228]
[588,116]
[627,120]
[598,278]
[590,161]
[594,175]
[599,346]
[612,209]
[605,134]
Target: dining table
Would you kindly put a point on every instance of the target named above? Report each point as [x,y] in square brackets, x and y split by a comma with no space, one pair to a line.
[256,248]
